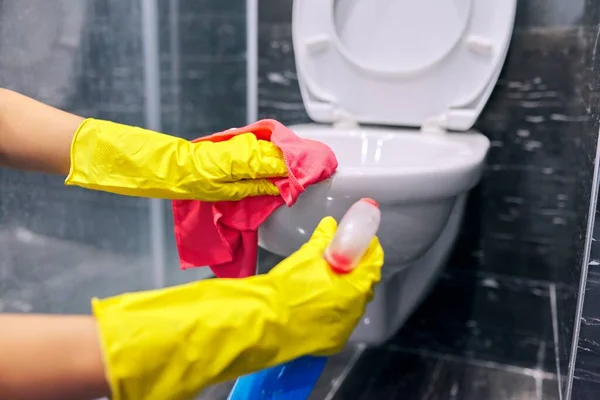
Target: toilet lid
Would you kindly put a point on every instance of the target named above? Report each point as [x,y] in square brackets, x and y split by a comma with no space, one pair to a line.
[400,62]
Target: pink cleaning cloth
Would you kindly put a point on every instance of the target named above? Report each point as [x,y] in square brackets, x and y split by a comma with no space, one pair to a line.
[223,235]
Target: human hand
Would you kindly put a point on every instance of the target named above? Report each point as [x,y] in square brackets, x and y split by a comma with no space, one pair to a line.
[170,343]
[133,161]
[324,307]
[237,168]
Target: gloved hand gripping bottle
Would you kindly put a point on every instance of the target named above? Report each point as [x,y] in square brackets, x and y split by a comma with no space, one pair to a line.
[296,379]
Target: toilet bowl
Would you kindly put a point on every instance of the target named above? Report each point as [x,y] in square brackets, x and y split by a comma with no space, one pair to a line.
[394,88]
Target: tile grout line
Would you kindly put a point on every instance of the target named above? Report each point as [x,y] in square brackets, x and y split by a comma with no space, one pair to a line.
[541,357]
[339,381]
[554,312]
[584,271]
[532,372]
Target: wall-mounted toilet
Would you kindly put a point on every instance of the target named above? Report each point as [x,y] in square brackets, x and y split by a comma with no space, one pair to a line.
[395,87]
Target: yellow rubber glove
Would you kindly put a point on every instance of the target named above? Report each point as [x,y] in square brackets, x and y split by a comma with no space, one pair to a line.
[169,344]
[133,161]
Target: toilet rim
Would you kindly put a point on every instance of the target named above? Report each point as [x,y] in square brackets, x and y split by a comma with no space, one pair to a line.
[404,189]
[477,144]
[406,171]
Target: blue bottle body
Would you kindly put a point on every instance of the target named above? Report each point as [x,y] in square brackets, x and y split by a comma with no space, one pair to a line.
[294,380]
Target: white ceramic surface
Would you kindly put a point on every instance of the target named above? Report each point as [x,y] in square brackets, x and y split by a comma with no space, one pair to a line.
[400,62]
[414,176]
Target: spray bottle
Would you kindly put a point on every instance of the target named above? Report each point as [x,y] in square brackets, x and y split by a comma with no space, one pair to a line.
[296,379]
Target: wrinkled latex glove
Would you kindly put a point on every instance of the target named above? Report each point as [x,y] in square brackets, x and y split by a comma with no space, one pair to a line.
[169,344]
[133,161]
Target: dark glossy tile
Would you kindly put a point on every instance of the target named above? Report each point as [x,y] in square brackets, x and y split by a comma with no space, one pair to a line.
[495,319]
[214,98]
[550,390]
[48,275]
[565,322]
[382,374]
[585,390]
[279,94]
[587,365]
[227,7]
[536,188]
[530,13]
[208,37]
[275,11]
[553,13]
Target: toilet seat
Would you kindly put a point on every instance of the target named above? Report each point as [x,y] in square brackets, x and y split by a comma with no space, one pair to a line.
[446,61]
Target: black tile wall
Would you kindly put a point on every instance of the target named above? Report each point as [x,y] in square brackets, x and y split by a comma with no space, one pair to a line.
[585,390]
[203,70]
[586,369]
[389,375]
[509,292]
[488,318]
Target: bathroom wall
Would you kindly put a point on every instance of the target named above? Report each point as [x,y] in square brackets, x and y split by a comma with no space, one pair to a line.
[203,71]
[585,371]
[509,293]
[59,246]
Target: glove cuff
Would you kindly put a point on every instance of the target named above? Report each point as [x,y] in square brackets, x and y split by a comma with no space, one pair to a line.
[171,343]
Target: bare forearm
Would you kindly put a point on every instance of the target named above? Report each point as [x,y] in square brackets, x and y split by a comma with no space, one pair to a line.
[50,357]
[33,135]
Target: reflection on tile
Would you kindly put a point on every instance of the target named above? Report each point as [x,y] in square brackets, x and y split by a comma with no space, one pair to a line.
[489,318]
[585,390]
[552,13]
[550,390]
[587,365]
[336,371]
[536,189]
[383,374]
[586,374]
[47,275]
[267,260]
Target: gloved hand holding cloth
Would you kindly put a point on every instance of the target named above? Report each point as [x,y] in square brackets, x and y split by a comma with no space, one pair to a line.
[228,230]
[133,161]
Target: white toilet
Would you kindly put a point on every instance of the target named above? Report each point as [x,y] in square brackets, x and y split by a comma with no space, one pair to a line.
[395,87]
